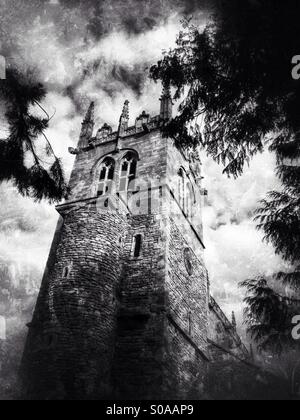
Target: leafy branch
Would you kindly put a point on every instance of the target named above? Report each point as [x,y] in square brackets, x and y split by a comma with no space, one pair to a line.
[20,94]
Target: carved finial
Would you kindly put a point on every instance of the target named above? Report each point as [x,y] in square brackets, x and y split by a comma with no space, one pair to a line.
[166,93]
[166,107]
[88,123]
[90,115]
[233,322]
[124,119]
[125,112]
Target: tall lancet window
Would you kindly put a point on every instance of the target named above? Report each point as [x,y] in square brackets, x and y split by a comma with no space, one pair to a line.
[186,196]
[128,171]
[107,172]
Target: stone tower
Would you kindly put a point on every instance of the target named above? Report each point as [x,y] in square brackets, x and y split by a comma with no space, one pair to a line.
[123,309]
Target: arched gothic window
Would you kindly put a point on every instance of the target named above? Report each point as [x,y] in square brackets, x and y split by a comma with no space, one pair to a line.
[107,172]
[128,171]
[185,193]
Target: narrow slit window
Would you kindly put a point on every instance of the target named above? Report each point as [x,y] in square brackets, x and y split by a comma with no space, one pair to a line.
[138,203]
[137,246]
[160,192]
[66,272]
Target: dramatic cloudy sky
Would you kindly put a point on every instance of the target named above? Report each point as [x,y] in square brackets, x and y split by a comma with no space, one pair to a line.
[101,50]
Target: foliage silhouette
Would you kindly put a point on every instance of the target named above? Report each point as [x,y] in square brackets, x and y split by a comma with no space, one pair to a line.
[21,154]
[238,98]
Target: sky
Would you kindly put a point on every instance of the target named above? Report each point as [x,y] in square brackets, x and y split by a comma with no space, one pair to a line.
[102,50]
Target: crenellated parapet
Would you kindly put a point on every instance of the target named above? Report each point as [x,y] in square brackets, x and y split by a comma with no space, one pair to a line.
[124,310]
[104,133]
[144,123]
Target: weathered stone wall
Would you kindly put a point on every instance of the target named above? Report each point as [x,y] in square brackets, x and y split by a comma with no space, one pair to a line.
[178,159]
[70,350]
[185,367]
[151,149]
[186,358]
[109,324]
[139,349]
[72,336]
[187,291]
[186,334]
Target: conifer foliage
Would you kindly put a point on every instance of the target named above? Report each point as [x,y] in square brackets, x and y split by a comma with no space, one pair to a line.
[26,155]
[238,98]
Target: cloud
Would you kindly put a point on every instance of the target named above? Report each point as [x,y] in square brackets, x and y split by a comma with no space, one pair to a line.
[26,228]
[133,16]
[51,33]
[235,249]
[101,51]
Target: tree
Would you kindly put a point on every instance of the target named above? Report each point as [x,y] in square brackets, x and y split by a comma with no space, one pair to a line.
[269,316]
[238,98]
[21,155]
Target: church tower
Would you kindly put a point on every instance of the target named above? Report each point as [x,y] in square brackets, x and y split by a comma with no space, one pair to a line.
[123,307]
